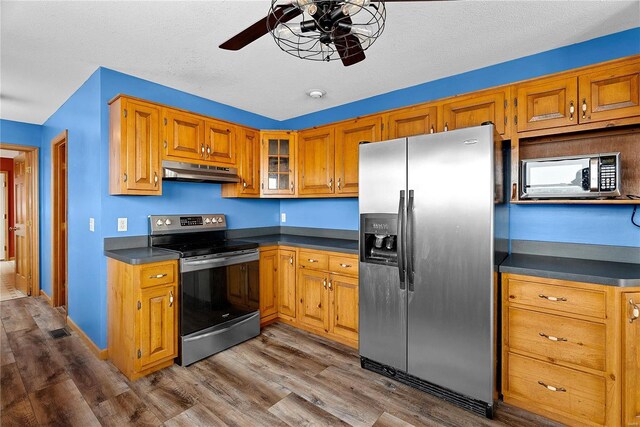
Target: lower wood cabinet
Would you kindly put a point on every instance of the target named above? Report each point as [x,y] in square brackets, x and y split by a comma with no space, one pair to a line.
[563,344]
[315,290]
[142,316]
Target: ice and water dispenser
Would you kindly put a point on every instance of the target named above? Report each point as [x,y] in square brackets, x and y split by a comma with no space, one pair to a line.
[379,239]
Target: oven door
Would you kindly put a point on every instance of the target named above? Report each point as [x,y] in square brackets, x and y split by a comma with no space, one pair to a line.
[559,178]
[218,291]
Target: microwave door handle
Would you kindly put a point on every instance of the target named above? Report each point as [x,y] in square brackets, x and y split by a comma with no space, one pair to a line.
[593,174]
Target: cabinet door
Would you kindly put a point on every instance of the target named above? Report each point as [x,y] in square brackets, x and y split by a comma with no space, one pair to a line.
[631,358]
[142,141]
[348,137]
[278,163]
[316,159]
[547,104]
[344,306]
[287,283]
[249,147]
[474,111]
[268,282]
[184,136]
[220,143]
[313,298]
[610,94]
[157,322]
[411,121]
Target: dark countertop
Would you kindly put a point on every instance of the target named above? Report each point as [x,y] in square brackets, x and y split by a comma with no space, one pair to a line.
[307,242]
[579,270]
[143,255]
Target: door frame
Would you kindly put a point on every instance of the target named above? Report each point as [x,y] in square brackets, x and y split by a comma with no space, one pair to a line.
[5,230]
[56,300]
[33,155]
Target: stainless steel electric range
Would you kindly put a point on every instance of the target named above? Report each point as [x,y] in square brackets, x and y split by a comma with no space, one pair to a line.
[219,283]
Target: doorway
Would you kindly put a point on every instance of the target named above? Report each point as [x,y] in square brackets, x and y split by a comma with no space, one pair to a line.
[19,275]
[59,218]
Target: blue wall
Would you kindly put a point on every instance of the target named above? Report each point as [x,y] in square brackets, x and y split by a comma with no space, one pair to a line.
[545,223]
[20,133]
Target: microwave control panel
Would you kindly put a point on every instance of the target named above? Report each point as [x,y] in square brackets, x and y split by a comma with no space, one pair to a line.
[608,178]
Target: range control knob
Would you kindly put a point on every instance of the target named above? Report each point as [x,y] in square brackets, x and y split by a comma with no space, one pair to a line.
[207,220]
[167,221]
[219,219]
[159,222]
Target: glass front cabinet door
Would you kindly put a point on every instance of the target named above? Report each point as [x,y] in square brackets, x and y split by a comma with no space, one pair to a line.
[278,169]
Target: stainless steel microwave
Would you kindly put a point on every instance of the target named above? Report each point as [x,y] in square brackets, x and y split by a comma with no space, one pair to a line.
[570,177]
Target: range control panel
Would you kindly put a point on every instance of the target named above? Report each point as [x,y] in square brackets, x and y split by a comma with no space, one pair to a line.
[165,224]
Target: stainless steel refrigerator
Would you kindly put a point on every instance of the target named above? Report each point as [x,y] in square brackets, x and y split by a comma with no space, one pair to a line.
[433,228]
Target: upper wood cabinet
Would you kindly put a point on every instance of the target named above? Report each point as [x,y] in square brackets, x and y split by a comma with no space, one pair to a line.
[287,283]
[316,154]
[411,121]
[474,110]
[547,103]
[248,151]
[347,140]
[631,358]
[220,142]
[278,156]
[134,148]
[183,136]
[609,94]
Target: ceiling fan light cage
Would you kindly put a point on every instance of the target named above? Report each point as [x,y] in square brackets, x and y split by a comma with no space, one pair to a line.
[314,36]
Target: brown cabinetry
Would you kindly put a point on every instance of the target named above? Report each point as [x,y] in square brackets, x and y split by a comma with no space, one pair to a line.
[287,283]
[278,163]
[631,358]
[610,94]
[134,148]
[316,154]
[220,142]
[313,299]
[474,110]
[268,284]
[142,316]
[183,136]
[343,291]
[248,149]
[411,121]
[347,140]
[562,346]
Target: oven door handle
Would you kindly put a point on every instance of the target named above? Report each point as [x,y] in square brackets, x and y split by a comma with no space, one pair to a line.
[205,264]
[220,331]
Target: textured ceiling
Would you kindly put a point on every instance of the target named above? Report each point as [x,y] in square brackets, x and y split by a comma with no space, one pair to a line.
[48,49]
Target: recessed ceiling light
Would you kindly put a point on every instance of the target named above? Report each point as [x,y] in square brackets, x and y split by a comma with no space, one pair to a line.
[316,93]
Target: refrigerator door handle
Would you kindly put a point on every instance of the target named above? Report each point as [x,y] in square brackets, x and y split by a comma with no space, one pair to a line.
[400,241]
[409,242]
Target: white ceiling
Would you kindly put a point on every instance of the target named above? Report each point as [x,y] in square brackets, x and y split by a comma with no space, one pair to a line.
[49,48]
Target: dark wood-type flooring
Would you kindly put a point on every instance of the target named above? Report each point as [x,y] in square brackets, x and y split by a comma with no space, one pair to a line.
[284,377]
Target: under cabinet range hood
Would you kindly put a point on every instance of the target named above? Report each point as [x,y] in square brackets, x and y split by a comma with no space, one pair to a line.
[178,171]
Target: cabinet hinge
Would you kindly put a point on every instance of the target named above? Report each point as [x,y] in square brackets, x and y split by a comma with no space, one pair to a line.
[139,305]
[28,169]
[515,102]
[165,144]
[382,127]
[165,121]
[125,112]
[262,185]
[505,120]
[505,104]
[139,354]
[515,120]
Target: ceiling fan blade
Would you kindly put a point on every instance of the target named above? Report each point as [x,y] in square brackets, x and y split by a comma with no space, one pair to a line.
[350,49]
[282,13]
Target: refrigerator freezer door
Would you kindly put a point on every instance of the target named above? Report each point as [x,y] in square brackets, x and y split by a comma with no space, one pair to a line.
[450,240]
[383,301]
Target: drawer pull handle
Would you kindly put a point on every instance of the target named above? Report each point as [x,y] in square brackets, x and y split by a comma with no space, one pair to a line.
[345,265]
[552,298]
[158,276]
[552,338]
[312,260]
[634,311]
[552,388]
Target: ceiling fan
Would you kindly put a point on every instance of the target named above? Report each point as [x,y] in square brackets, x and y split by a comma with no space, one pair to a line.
[328,30]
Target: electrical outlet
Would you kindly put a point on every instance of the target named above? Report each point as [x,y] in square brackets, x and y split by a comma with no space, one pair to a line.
[92,224]
[283,217]
[122,224]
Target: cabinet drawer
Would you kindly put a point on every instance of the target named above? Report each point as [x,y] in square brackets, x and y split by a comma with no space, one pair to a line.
[558,338]
[555,297]
[343,265]
[314,260]
[157,274]
[578,395]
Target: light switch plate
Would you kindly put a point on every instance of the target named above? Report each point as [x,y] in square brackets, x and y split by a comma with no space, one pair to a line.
[283,217]
[122,224]
[92,224]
